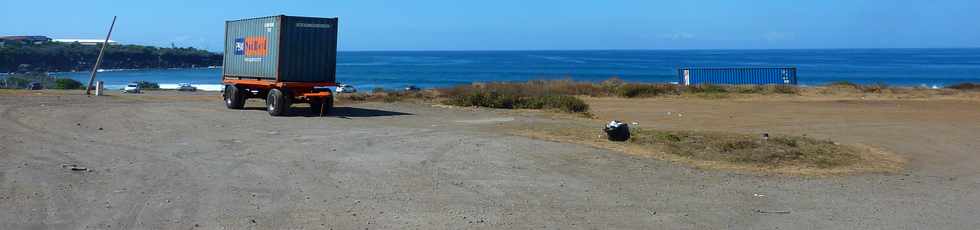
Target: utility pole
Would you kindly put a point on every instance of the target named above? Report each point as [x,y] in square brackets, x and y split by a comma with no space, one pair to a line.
[88,90]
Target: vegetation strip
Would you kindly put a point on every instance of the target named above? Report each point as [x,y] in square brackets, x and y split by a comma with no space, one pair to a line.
[781,155]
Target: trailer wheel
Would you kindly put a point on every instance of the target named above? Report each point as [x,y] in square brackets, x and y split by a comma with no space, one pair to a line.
[324,105]
[277,102]
[234,99]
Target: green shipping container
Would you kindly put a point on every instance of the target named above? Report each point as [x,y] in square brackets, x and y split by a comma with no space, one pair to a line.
[281,48]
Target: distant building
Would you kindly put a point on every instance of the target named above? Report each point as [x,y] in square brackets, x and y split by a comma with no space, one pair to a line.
[24,40]
[90,42]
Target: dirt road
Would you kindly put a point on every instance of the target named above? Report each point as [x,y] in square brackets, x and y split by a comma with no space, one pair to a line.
[185,162]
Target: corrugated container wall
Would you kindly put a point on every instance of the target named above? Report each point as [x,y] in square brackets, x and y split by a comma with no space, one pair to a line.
[738,76]
[252,48]
[282,48]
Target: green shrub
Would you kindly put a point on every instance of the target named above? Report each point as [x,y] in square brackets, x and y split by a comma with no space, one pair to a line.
[844,84]
[16,82]
[568,104]
[785,89]
[706,88]
[378,90]
[501,100]
[392,97]
[612,84]
[148,85]
[483,99]
[645,90]
[357,97]
[965,86]
[750,89]
[67,83]
[875,88]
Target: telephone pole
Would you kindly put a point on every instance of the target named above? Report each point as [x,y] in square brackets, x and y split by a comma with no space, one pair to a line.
[95,69]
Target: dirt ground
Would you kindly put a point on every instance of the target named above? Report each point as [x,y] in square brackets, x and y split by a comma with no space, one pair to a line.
[941,137]
[168,160]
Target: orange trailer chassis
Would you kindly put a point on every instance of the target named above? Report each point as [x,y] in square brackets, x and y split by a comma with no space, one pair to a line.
[279,95]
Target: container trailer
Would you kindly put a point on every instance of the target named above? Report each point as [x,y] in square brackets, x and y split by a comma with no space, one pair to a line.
[282,59]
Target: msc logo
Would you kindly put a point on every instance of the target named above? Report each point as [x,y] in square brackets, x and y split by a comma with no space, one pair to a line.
[239,46]
[252,46]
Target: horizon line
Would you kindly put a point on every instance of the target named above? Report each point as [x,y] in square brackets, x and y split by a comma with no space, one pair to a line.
[661,49]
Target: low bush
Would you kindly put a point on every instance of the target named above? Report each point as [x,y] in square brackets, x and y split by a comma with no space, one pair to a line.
[19,81]
[749,89]
[147,85]
[706,89]
[612,84]
[611,87]
[356,97]
[391,97]
[874,88]
[965,86]
[568,104]
[67,83]
[509,100]
[15,82]
[645,90]
[844,84]
[785,89]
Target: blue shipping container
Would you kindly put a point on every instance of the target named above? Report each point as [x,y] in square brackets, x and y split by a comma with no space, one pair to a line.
[738,76]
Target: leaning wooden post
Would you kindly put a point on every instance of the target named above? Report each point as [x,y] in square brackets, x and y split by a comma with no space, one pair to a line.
[88,90]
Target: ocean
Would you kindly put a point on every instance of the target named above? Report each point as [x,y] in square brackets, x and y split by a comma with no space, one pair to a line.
[396,69]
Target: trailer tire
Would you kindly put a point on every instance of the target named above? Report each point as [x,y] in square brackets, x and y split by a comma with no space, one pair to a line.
[326,104]
[233,97]
[277,103]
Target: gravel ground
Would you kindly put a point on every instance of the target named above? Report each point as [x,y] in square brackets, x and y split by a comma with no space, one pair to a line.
[175,161]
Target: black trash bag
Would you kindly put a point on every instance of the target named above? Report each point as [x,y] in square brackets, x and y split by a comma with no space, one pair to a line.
[617,131]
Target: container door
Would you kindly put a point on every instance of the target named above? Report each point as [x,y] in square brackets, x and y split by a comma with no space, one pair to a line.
[687,77]
[309,50]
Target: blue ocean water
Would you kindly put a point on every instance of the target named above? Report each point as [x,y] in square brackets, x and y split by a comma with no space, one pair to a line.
[396,69]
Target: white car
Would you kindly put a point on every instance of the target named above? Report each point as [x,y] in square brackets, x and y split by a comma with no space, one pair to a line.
[345,88]
[132,88]
[186,87]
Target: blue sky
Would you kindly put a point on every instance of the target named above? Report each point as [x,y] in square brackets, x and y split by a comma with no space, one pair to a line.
[526,24]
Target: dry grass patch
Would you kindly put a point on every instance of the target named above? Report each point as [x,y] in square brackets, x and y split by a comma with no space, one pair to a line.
[781,155]
[750,149]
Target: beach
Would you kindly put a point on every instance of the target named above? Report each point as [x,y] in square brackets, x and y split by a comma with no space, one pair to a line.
[168,159]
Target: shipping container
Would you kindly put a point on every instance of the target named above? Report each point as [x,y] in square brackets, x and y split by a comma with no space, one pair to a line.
[738,76]
[281,48]
[283,59]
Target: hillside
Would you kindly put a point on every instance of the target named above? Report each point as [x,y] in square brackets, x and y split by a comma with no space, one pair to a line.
[72,56]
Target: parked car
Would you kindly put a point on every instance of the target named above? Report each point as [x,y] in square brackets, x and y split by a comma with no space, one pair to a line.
[186,87]
[412,88]
[132,88]
[35,86]
[345,88]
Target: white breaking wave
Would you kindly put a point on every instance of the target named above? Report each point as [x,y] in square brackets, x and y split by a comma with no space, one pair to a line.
[202,87]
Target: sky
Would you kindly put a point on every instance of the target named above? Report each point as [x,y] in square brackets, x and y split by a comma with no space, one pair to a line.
[526,24]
